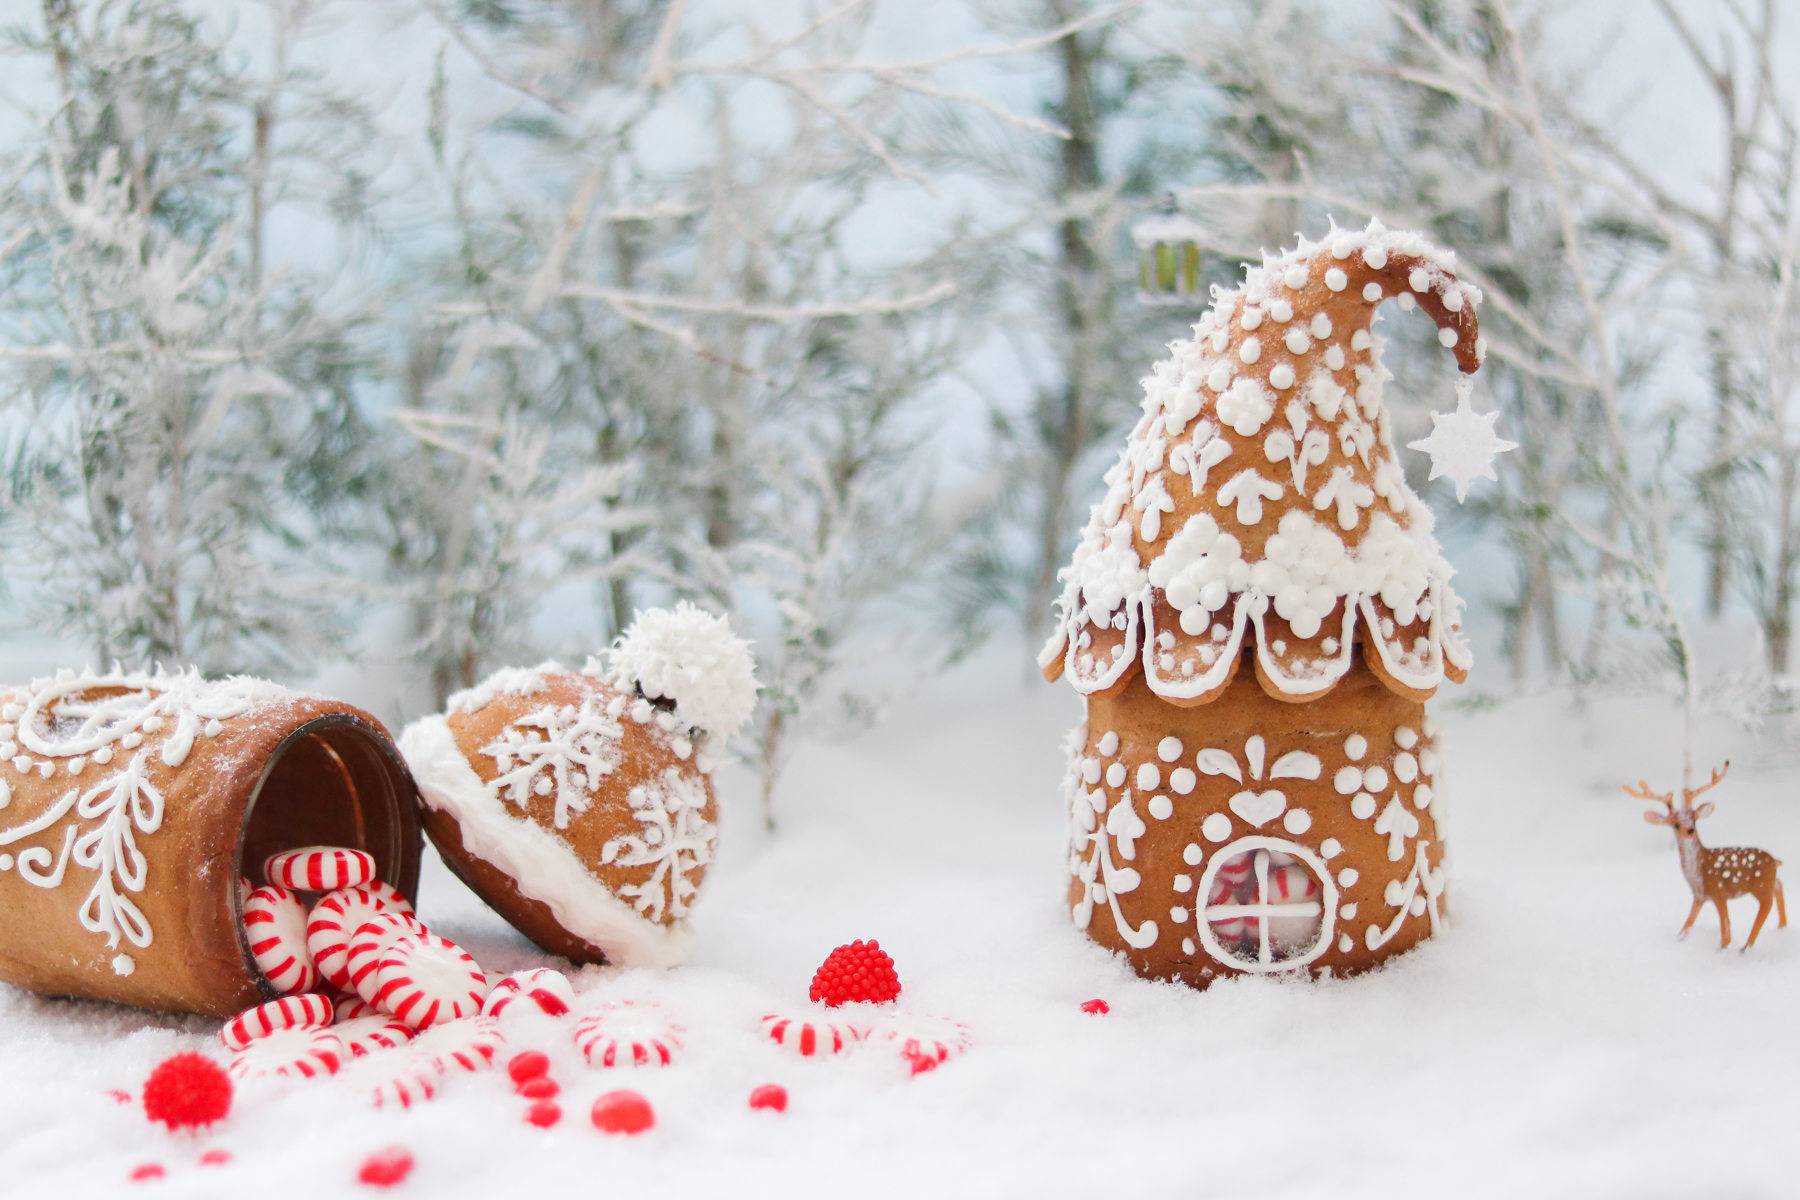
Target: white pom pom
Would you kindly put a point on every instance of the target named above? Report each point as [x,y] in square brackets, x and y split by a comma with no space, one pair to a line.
[691,657]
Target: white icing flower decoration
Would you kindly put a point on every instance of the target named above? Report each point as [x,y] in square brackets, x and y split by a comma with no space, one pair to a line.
[691,657]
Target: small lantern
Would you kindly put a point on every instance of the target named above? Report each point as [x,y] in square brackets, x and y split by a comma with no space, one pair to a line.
[1169,258]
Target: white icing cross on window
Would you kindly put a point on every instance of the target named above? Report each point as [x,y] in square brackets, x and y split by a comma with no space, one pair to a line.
[1261,911]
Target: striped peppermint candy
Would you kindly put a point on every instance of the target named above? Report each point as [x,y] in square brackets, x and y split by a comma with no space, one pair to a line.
[275,924]
[924,1042]
[365,1035]
[465,1044]
[320,868]
[542,990]
[353,1008]
[337,916]
[390,1080]
[369,941]
[811,1034]
[288,1053]
[629,1035]
[424,979]
[309,1010]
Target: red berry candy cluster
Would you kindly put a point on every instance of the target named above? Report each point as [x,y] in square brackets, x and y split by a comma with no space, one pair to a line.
[187,1091]
[859,971]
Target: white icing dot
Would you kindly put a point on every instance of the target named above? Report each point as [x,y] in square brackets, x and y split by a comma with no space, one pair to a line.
[123,964]
[1334,357]
[1321,326]
[1447,336]
[1251,350]
[1363,807]
[1169,749]
[1393,892]
[6,862]
[1406,767]
[1192,854]
[1330,848]
[1336,280]
[1161,808]
[1109,745]
[1281,377]
[1090,770]
[1297,821]
[1279,646]
[1347,780]
[1375,256]
[1375,779]
[1345,944]
[1372,292]
[1297,342]
[1216,827]
[76,764]
[46,768]
[1184,883]
[153,724]
[1182,780]
[132,740]
[1360,340]
[1187,945]
[1329,645]
[1355,746]
[1149,777]
[1348,911]
[1405,738]
[1115,775]
[1347,877]
[1431,728]
[1252,318]
[213,729]
[103,755]
[1281,311]
[1178,915]
[1418,906]
[1418,281]
[1422,796]
[1295,276]
[1407,303]
[1453,299]
[1219,378]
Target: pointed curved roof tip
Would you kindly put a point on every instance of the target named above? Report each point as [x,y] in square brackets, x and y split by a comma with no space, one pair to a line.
[1260,492]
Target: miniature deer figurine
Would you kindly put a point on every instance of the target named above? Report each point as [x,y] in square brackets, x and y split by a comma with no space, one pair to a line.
[1716,875]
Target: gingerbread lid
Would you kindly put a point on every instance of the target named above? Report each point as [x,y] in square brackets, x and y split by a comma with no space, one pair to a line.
[1260,491]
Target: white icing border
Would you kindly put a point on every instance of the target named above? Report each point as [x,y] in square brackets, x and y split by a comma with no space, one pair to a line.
[1327,926]
[540,865]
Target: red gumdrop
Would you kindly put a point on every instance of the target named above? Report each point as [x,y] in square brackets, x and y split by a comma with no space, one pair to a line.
[215,1158]
[541,1088]
[529,1065]
[147,1172]
[1097,1007]
[771,1096]
[544,1114]
[187,1091]
[385,1168]
[623,1112]
[121,1097]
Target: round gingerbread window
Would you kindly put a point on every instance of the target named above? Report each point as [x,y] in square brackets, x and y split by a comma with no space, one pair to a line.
[1269,905]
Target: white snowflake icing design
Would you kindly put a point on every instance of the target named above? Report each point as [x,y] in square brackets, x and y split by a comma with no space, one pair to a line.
[68,727]
[561,749]
[674,836]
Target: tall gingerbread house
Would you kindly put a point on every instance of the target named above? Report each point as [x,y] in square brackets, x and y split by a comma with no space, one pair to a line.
[1256,614]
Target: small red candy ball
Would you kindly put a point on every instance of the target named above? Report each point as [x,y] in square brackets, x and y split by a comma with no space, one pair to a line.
[623,1112]
[544,1114]
[385,1168]
[541,1088]
[146,1172]
[215,1158]
[187,1091]
[529,1065]
[771,1096]
[1097,1007]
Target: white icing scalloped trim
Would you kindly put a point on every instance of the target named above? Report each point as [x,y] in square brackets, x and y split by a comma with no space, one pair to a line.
[541,865]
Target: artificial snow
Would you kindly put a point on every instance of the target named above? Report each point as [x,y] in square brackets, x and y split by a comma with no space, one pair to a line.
[1558,1041]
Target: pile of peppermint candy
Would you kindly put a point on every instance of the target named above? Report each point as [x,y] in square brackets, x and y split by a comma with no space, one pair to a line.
[373,997]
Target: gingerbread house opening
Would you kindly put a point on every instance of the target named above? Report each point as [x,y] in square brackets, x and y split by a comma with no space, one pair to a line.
[335,780]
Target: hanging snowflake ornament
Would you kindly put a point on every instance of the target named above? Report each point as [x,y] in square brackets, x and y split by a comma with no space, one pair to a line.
[1463,444]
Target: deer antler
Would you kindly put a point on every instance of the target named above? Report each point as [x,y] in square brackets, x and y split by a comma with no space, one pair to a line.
[1688,794]
[1642,791]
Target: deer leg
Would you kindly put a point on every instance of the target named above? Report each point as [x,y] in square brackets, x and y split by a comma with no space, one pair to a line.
[1781,904]
[1693,913]
[1764,904]
[1724,923]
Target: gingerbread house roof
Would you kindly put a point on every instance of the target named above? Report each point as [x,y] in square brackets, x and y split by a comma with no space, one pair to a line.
[1260,492]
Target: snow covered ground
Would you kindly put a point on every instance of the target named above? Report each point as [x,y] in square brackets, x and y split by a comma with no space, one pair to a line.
[1558,1041]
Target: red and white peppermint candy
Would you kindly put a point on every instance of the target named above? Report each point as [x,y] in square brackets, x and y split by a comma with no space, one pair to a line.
[541,989]
[468,1044]
[290,1052]
[275,924]
[336,917]
[366,1035]
[923,1042]
[369,941]
[811,1034]
[306,1011]
[352,1008]
[390,1080]
[424,979]
[629,1035]
[320,868]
